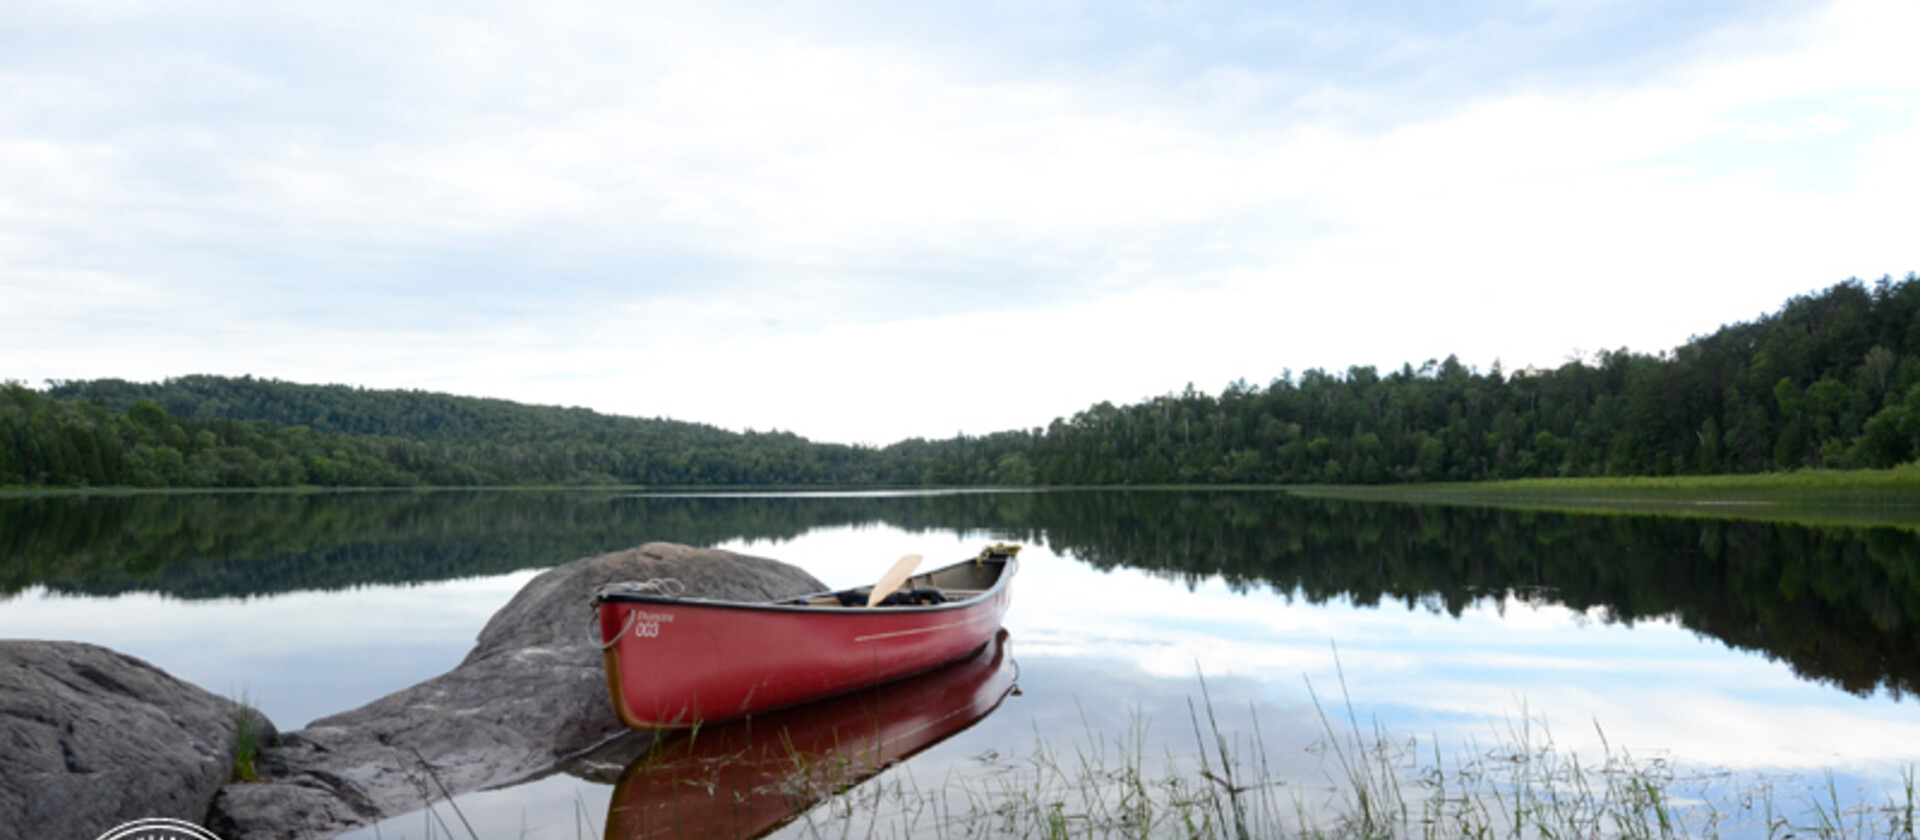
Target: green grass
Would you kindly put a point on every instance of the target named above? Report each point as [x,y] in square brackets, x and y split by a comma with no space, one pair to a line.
[1375,785]
[248,739]
[1820,497]
[1376,788]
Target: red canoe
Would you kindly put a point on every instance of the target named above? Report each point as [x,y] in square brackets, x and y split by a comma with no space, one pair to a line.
[676,663]
[750,777]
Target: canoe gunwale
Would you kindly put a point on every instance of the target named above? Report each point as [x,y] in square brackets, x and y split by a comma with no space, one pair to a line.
[1007,562]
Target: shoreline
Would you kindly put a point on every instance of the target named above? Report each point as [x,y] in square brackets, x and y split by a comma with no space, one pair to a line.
[1859,498]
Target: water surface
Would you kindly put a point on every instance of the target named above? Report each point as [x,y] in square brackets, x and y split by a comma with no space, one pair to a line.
[1764,650]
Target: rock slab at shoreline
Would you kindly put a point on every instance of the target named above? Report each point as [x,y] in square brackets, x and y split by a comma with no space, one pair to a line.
[529,695]
[91,738]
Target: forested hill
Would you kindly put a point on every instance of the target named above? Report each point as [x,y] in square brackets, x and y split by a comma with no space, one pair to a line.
[212,431]
[1830,380]
[414,415]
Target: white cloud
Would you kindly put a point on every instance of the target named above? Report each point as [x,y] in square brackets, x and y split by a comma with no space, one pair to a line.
[849,224]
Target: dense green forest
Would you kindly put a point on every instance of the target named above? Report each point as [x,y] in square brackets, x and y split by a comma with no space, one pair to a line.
[210,431]
[1830,380]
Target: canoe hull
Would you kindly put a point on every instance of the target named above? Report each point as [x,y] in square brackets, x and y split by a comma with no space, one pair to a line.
[748,778]
[679,663]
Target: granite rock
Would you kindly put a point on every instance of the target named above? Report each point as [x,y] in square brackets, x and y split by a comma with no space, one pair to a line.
[530,695]
[91,738]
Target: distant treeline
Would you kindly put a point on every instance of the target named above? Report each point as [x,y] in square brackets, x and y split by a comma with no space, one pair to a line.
[1830,380]
[211,431]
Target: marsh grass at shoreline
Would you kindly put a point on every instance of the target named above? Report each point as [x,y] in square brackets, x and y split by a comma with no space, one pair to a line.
[1380,784]
[1812,497]
[1376,785]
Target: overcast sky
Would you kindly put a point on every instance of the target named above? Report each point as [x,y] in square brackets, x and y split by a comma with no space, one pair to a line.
[868,221]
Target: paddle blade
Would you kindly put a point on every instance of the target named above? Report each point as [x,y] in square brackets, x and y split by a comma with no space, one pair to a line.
[902,569]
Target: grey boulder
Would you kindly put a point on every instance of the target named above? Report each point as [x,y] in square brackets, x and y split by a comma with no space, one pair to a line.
[530,695]
[91,738]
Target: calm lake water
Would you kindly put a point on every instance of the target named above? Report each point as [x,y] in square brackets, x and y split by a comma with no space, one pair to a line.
[1752,653]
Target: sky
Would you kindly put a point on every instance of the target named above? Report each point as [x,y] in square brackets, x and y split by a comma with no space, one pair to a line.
[863,222]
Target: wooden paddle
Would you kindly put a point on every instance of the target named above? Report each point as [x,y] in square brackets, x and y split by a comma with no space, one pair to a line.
[895,576]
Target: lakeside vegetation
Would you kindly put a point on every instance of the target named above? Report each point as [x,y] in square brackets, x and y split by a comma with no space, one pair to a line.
[1892,486]
[1830,381]
[1855,498]
[1378,785]
[1373,784]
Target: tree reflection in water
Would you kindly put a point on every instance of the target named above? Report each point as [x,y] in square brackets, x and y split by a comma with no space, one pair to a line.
[1838,604]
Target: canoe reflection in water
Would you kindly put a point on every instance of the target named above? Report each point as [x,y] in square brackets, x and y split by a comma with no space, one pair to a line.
[747,778]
